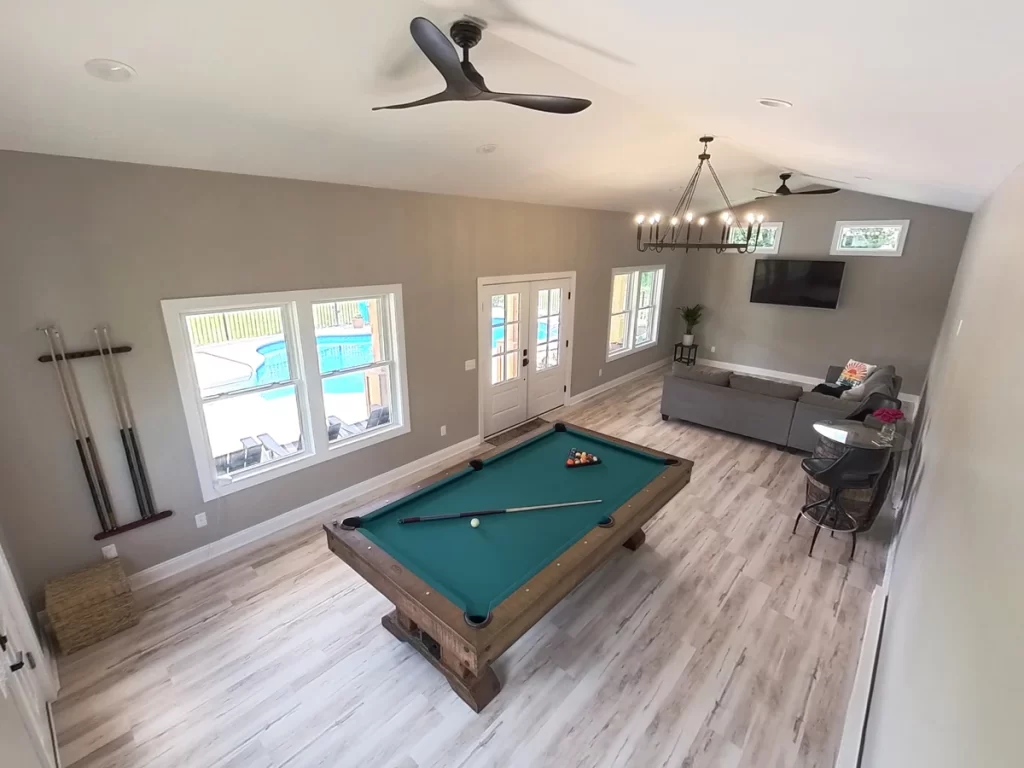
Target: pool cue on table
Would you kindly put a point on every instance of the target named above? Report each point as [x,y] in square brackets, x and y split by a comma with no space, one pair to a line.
[509,510]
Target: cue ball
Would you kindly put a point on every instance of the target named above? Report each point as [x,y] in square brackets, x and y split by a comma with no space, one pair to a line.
[475,522]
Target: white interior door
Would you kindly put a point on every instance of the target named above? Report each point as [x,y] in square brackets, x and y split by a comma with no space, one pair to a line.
[504,329]
[550,319]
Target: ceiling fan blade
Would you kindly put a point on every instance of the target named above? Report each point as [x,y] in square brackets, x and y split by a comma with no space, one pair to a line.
[446,95]
[507,15]
[561,105]
[441,53]
[763,197]
[764,192]
[817,191]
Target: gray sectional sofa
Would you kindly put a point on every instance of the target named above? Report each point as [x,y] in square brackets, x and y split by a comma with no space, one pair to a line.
[763,409]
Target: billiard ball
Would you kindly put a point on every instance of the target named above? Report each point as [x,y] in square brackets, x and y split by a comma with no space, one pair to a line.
[569,463]
[475,522]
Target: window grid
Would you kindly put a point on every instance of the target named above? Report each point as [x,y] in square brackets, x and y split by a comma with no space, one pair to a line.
[377,373]
[635,309]
[252,378]
[549,312]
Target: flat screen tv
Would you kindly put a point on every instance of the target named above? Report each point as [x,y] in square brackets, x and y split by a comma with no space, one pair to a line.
[797,283]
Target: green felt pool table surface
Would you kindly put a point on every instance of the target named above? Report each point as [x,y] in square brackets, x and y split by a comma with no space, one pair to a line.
[477,568]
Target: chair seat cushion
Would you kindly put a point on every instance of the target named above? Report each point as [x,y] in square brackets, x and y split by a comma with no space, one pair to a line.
[814,466]
[703,373]
[765,387]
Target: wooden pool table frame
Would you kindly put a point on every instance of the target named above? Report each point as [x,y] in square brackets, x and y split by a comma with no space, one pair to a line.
[436,627]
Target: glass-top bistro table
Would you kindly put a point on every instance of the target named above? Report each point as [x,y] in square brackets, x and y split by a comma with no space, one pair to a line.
[861,506]
[856,434]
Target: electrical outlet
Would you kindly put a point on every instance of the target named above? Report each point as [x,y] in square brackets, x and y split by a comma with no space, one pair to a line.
[471,365]
[600,372]
[444,430]
[201,520]
[109,552]
[712,349]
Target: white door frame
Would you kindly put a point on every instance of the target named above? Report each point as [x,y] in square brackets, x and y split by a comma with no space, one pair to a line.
[33,688]
[484,370]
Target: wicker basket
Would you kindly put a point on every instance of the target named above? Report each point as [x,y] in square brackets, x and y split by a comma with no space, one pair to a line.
[90,605]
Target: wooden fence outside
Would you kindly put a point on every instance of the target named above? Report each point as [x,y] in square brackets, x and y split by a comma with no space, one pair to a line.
[221,327]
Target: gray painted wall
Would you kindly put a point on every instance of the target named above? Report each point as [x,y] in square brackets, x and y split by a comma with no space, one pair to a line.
[87,242]
[890,309]
[950,678]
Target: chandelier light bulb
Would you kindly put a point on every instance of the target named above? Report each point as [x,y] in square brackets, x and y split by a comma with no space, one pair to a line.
[750,218]
[674,221]
[640,218]
[725,215]
[689,216]
[702,221]
[728,218]
[657,218]
[760,218]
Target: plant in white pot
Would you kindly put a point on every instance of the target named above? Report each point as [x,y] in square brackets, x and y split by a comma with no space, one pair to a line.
[691,317]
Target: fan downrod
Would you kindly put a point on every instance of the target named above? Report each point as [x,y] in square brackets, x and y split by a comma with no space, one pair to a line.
[466,33]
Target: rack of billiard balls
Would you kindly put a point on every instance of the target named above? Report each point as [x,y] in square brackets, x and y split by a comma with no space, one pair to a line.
[580,459]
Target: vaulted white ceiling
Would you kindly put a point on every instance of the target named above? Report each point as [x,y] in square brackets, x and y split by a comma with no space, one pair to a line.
[917,95]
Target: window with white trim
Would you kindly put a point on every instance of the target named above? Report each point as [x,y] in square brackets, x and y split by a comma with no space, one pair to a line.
[870,238]
[767,240]
[635,309]
[272,383]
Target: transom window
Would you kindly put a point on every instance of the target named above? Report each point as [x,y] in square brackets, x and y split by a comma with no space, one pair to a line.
[767,240]
[635,309]
[275,382]
[870,238]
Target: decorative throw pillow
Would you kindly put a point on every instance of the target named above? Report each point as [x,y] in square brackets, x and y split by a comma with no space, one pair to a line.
[855,373]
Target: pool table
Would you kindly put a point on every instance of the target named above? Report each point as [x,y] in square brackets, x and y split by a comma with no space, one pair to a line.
[464,594]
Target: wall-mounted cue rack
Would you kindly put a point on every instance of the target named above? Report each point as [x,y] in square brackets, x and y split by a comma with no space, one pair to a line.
[74,406]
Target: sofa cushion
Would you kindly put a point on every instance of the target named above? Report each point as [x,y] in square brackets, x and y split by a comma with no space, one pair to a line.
[826,401]
[703,373]
[765,387]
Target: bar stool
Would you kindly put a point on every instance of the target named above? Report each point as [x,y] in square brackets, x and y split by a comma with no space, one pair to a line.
[856,469]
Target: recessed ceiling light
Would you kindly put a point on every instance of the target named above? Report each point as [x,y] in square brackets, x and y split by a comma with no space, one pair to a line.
[109,70]
[487,149]
[775,103]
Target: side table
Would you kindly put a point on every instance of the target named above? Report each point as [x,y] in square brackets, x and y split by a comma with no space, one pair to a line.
[686,354]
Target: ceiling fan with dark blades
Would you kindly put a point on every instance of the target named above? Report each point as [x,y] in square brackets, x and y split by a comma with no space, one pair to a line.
[785,191]
[463,82]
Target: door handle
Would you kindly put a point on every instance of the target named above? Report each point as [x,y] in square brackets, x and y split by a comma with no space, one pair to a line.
[19,663]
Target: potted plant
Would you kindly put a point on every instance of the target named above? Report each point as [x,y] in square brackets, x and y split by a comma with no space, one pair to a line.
[691,316]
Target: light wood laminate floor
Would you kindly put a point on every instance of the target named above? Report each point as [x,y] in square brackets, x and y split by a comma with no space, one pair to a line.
[718,643]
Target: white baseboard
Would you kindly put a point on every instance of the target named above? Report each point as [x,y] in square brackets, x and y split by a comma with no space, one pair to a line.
[275,525]
[796,377]
[612,383]
[857,708]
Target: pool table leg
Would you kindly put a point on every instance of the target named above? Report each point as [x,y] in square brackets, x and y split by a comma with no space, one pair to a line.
[634,542]
[475,690]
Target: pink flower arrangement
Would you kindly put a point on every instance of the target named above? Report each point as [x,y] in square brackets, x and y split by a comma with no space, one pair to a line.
[888,415]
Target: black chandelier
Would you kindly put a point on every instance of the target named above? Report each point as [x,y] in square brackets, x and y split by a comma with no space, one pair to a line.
[657,240]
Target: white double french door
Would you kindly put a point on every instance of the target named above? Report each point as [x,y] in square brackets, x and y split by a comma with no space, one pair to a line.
[525,332]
